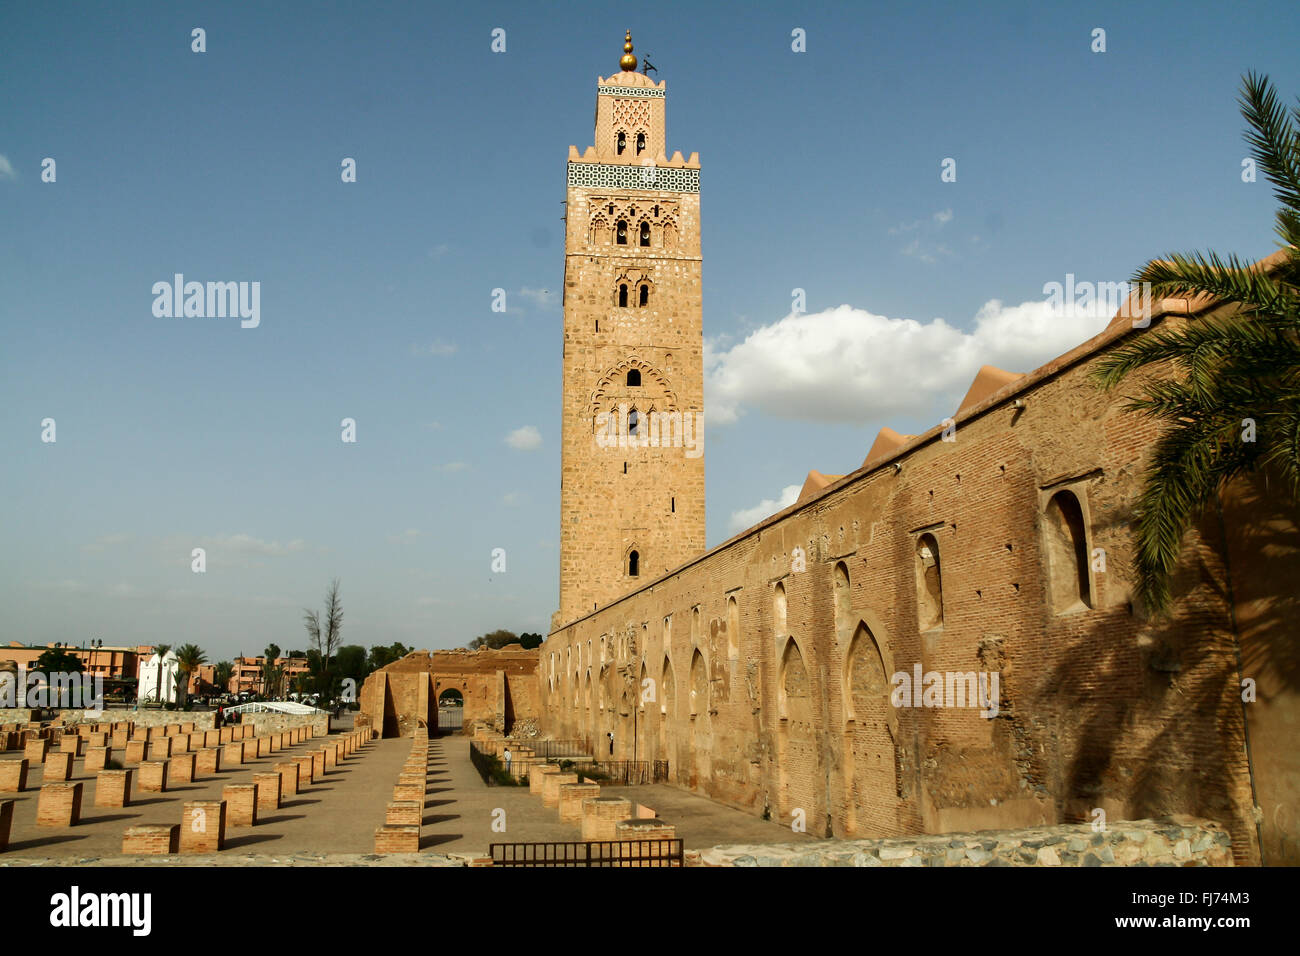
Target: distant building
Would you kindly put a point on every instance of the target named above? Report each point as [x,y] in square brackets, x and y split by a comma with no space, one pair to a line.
[248,676]
[158,678]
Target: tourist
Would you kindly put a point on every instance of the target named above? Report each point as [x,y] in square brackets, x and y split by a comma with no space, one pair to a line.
[506,754]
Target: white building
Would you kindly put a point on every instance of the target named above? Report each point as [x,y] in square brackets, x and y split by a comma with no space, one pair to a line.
[149,685]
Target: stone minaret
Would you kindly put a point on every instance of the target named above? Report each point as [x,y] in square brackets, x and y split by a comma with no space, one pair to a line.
[632,465]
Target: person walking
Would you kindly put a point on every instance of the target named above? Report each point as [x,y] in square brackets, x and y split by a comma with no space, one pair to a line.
[506,754]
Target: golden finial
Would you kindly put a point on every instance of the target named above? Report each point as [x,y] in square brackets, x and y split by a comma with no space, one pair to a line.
[628,63]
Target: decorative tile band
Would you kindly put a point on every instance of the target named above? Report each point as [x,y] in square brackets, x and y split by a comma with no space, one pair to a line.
[647,92]
[610,176]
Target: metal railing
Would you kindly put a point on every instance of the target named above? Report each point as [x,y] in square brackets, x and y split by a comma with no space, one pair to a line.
[627,773]
[653,853]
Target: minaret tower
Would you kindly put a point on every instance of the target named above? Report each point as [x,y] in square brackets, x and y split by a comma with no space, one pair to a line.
[632,463]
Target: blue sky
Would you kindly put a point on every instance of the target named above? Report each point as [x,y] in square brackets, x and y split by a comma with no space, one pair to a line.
[820,172]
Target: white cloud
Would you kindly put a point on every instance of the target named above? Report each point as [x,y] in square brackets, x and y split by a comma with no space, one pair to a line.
[527,438]
[849,365]
[513,499]
[6,168]
[435,348]
[748,517]
[943,216]
[247,544]
[451,466]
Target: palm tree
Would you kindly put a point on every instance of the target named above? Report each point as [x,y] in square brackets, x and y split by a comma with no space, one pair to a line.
[189,657]
[222,673]
[1229,395]
[161,652]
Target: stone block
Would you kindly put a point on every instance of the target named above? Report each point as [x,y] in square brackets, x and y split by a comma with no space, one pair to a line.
[13,775]
[396,839]
[241,804]
[268,791]
[203,826]
[153,776]
[155,840]
[113,788]
[59,805]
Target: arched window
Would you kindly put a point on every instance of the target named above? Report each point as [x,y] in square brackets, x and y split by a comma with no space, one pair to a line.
[621,145]
[733,629]
[633,422]
[699,683]
[622,295]
[1067,553]
[779,610]
[640,143]
[634,377]
[633,564]
[929,584]
[644,297]
[645,233]
[843,605]
[620,232]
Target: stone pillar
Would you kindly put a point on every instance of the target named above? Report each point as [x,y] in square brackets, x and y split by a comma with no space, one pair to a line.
[318,765]
[207,761]
[306,770]
[241,804]
[390,839]
[120,736]
[288,777]
[36,749]
[153,776]
[644,834]
[13,775]
[6,821]
[151,840]
[113,788]
[134,751]
[403,813]
[232,754]
[180,769]
[537,775]
[268,791]
[250,747]
[59,805]
[58,766]
[551,787]
[600,816]
[571,797]
[203,826]
[211,738]
[330,756]
[97,758]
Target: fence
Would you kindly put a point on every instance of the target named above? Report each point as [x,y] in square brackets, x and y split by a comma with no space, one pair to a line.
[555,749]
[653,853]
[628,773]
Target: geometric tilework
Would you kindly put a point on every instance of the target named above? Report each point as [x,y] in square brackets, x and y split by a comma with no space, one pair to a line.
[609,176]
[629,91]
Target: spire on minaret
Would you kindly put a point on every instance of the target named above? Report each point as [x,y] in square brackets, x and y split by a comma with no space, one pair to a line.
[628,63]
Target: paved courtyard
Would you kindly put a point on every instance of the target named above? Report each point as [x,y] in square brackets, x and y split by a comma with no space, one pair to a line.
[339,813]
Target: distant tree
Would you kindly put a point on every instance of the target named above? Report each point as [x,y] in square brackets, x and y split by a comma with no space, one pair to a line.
[325,633]
[494,640]
[381,656]
[189,658]
[222,674]
[272,673]
[350,662]
[58,660]
[530,641]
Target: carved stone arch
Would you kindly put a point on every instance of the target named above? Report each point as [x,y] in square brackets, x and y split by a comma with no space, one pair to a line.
[599,230]
[869,637]
[612,381]
[668,229]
